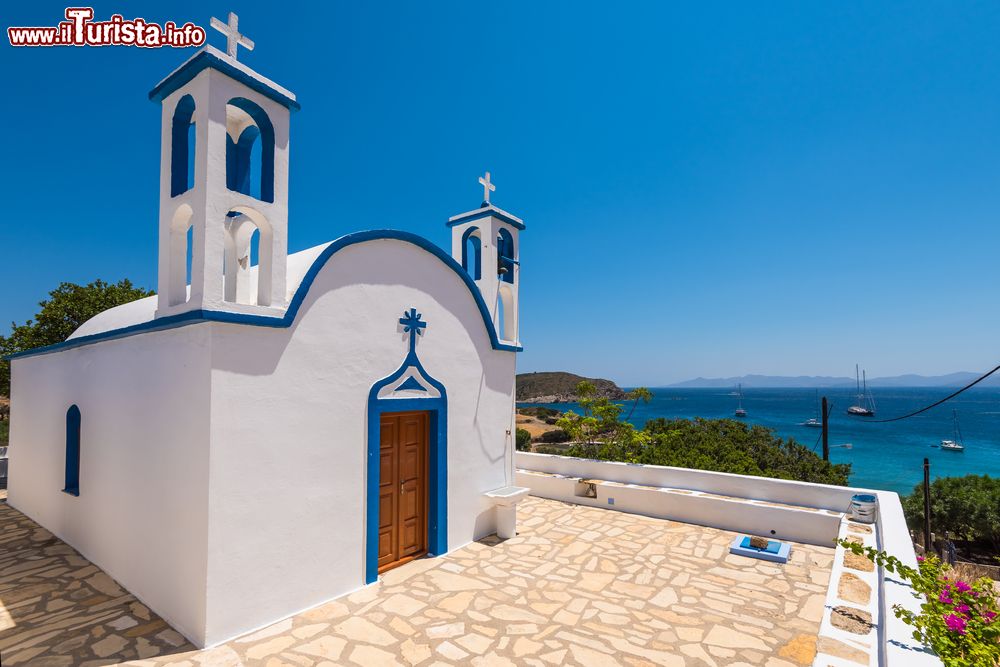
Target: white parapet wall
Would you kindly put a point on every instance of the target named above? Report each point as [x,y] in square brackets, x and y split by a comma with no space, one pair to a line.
[799,494]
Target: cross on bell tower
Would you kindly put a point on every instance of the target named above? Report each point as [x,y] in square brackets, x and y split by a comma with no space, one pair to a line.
[232,32]
[487,188]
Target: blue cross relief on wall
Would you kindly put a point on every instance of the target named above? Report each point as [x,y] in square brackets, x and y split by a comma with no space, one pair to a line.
[413,325]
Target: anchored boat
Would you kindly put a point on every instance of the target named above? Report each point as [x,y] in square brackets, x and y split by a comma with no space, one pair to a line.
[955,445]
[865,406]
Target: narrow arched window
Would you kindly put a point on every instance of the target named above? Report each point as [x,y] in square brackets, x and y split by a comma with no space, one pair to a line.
[249,150]
[72,485]
[505,256]
[472,251]
[182,148]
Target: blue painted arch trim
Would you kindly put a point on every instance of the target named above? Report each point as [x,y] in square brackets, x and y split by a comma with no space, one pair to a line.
[197,316]
[437,464]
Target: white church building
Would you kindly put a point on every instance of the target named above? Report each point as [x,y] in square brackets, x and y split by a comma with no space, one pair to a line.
[272,431]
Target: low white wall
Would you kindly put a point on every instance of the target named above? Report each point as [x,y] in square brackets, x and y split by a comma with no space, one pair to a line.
[796,525]
[897,644]
[802,494]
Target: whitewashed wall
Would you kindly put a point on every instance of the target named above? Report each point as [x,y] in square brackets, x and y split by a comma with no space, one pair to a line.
[142,513]
[802,494]
[289,429]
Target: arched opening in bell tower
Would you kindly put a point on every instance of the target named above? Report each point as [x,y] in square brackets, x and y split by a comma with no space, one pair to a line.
[247,258]
[249,150]
[181,250]
[182,147]
[505,256]
[472,252]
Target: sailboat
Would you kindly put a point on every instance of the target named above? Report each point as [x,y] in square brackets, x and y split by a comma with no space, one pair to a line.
[740,412]
[814,422]
[866,403]
[955,445]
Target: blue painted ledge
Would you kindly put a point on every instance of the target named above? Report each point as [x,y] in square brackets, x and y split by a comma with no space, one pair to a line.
[196,316]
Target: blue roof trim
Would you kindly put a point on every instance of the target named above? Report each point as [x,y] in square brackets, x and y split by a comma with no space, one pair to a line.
[206,59]
[487,213]
[196,316]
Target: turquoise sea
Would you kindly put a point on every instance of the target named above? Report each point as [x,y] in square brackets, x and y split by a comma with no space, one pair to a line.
[883,456]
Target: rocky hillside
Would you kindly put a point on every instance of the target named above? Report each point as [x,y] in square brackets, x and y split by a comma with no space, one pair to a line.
[558,387]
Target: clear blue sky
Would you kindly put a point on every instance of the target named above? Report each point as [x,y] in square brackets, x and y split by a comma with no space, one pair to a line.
[780,188]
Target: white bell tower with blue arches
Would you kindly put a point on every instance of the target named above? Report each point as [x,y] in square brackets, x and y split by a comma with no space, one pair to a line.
[223,237]
[485,242]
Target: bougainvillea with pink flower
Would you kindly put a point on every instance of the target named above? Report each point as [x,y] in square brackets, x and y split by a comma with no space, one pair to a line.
[957,620]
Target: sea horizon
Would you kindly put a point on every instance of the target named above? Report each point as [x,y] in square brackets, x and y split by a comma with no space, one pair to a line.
[886,456]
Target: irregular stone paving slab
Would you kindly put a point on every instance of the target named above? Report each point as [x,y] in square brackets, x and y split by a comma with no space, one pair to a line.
[577,586]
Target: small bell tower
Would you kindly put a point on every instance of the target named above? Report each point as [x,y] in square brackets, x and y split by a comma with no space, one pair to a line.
[223,238]
[485,242]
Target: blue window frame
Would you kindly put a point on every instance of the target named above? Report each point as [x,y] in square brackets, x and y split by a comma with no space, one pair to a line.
[72,485]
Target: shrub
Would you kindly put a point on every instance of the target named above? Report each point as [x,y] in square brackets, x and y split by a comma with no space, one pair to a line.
[967,507]
[523,440]
[558,435]
[539,411]
[957,620]
[727,445]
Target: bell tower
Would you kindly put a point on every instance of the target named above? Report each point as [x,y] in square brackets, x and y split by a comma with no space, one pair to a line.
[223,236]
[485,242]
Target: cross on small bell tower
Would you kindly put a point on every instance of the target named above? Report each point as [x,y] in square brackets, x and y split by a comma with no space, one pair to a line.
[487,188]
[232,32]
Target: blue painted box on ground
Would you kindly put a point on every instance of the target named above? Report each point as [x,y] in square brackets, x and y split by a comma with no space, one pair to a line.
[777,552]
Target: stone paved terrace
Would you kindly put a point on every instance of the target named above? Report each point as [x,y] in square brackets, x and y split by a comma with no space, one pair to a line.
[577,586]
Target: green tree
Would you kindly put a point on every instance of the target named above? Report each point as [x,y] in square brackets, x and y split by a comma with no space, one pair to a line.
[67,307]
[599,430]
[967,507]
[523,440]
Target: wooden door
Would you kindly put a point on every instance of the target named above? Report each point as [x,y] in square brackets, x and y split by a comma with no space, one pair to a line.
[402,519]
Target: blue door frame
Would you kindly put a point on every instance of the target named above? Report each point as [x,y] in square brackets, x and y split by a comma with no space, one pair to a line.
[437,474]
[437,446]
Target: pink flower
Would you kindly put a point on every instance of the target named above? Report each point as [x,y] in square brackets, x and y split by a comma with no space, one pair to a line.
[920,559]
[989,616]
[962,609]
[955,623]
[963,587]
[944,598]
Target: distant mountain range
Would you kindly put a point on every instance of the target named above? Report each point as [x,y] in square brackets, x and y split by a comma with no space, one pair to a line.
[810,381]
